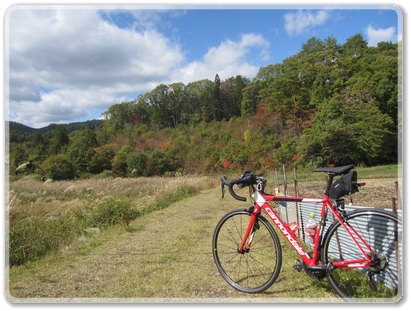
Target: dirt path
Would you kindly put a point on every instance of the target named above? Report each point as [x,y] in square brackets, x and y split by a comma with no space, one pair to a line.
[167,258]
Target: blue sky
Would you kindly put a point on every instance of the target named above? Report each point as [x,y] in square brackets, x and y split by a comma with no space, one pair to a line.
[70,63]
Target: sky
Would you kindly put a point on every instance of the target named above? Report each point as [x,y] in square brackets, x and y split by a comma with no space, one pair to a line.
[70,63]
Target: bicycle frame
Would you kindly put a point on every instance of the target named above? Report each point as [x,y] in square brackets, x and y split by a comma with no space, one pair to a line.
[261,201]
[357,251]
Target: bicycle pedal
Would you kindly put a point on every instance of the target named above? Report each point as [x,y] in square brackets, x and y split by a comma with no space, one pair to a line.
[298,265]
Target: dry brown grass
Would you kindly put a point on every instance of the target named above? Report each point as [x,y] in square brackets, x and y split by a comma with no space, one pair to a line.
[44,218]
[60,196]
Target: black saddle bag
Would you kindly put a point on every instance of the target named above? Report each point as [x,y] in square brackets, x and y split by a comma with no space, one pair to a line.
[345,185]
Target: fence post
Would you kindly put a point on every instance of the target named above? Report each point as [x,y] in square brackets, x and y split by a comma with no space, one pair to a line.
[398,195]
[277,184]
[285,193]
[296,190]
[394,209]
[296,193]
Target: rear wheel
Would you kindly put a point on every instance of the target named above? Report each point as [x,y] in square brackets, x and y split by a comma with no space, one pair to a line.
[379,229]
[250,271]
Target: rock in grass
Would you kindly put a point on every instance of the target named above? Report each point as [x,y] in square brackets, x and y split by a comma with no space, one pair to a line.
[71,188]
[92,230]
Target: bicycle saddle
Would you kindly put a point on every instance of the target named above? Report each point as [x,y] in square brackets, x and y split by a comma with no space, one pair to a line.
[335,170]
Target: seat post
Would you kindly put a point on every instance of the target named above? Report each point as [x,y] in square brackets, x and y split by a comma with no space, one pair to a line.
[330,182]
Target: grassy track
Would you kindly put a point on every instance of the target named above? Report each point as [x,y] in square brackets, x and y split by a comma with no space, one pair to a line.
[165,257]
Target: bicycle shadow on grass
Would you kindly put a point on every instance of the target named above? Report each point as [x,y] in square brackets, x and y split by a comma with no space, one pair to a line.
[315,285]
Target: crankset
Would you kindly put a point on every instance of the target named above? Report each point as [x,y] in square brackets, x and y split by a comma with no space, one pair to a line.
[312,272]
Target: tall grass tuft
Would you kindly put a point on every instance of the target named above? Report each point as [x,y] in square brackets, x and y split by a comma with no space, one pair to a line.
[44,218]
[108,212]
[32,238]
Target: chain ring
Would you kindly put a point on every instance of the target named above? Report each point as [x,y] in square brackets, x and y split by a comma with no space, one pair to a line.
[316,275]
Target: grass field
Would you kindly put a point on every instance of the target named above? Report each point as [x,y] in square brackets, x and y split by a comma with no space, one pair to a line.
[164,253]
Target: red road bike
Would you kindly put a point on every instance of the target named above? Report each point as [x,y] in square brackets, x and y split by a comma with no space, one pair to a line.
[358,253]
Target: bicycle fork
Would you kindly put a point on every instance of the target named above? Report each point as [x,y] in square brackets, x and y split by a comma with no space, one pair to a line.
[253,226]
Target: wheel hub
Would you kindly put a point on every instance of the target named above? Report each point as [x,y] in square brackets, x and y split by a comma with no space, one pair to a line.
[378,262]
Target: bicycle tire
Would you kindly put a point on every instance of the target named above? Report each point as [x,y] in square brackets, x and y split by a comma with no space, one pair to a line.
[253,271]
[375,283]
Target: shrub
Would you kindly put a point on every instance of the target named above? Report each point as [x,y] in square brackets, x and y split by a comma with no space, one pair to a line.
[103,175]
[119,161]
[58,167]
[137,162]
[110,212]
[100,161]
[158,163]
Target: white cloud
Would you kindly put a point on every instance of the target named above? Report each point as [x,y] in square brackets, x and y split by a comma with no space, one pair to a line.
[65,63]
[226,60]
[301,21]
[378,35]
[62,105]
[82,60]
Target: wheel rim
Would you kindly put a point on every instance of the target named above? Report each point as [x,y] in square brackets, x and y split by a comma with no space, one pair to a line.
[250,271]
[380,280]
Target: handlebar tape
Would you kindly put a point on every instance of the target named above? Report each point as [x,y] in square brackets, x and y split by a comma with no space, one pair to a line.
[230,184]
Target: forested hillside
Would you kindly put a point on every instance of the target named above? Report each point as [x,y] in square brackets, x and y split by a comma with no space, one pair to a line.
[330,104]
[22,133]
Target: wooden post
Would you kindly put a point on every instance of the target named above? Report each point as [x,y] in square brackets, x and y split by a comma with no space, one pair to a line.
[394,209]
[398,195]
[393,205]
[296,190]
[296,203]
[285,181]
[285,193]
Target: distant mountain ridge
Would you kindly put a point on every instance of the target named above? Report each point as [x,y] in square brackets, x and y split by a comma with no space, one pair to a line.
[11,125]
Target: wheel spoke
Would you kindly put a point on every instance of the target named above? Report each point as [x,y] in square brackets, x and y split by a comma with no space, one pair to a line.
[380,278]
[254,270]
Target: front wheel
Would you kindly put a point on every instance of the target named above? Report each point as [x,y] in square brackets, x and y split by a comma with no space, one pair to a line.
[379,229]
[251,271]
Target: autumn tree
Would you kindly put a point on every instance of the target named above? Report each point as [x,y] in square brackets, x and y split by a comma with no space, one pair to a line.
[119,161]
[119,115]
[38,149]
[200,97]
[17,156]
[78,148]
[100,160]
[348,128]
[59,140]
